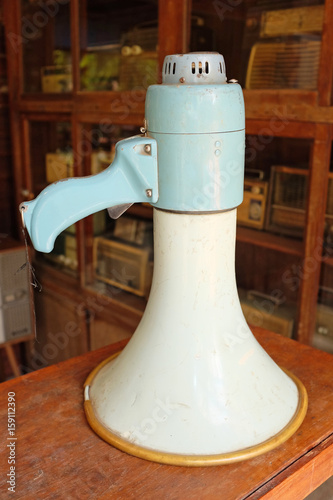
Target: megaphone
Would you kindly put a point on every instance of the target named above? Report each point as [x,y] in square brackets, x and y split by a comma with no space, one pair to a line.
[193,386]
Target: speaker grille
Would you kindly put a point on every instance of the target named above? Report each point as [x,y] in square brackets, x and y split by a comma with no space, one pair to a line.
[194,68]
[16,318]
[15,314]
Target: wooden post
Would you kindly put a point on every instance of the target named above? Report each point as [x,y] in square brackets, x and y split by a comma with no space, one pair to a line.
[313,238]
[325,73]
[12,22]
[173,28]
[75,43]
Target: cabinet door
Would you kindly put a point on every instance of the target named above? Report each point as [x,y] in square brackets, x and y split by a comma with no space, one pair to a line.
[109,326]
[61,329]
[119,45]
[46,46]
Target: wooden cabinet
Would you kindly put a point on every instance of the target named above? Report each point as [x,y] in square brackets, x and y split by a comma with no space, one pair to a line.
[77,74]
[61,329]
[107,325]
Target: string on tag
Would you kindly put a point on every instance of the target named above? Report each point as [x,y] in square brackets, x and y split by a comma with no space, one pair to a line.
[32,275]
[31,271]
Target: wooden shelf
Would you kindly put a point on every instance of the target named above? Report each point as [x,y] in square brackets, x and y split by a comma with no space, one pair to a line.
[270,241]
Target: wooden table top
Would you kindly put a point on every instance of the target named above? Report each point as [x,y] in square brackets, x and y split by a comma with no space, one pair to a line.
[58,456]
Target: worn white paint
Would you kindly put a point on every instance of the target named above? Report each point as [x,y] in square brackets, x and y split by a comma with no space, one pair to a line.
[193,379]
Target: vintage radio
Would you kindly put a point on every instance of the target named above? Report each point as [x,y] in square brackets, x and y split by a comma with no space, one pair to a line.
[253,209]
[15,307]
[56,79]
[59,166]
[287,201]
[123,265]
[263,310]
[275,65]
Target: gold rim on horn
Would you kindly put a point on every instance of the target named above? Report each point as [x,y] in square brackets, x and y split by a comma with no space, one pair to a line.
[196,460]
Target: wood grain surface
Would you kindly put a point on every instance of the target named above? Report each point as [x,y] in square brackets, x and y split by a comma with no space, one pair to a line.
[60,457]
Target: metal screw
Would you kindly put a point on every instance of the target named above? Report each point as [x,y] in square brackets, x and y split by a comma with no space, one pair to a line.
[23,208]
[147,148]
[182,79]
[142,130]
[149,193]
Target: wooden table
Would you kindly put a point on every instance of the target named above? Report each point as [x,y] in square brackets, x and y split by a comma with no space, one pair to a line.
[58,456]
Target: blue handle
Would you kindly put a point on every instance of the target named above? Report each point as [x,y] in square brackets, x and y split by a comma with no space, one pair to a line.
[132,177]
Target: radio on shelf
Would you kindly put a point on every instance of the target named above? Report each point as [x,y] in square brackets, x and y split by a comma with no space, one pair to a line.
[261,309]
[287,202]
[123,265]
[252,211]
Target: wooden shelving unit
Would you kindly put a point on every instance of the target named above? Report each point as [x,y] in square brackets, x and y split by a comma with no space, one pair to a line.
[304,114]
[272,241]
